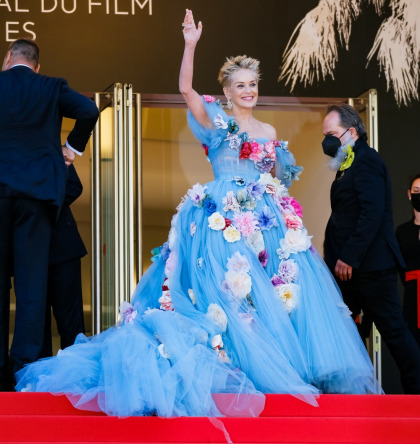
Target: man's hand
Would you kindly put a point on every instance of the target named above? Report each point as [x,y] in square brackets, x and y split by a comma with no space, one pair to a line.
[68,155]
[343,271]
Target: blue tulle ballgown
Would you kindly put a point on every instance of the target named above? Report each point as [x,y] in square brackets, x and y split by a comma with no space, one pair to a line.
[236,303]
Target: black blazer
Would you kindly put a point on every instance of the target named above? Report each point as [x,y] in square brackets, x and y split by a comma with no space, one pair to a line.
[31,110]
[360,230]
[66,242]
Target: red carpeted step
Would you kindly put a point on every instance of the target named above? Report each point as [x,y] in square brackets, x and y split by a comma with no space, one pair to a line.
[392,406]
[39,404]
[204,430]
[41,417]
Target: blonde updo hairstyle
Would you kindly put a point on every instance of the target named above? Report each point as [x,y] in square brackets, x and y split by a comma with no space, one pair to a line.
[234,64]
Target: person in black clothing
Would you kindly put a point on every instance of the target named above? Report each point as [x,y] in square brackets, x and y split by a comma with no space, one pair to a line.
[408,236]
[33,175]
[360,246]
[64,293]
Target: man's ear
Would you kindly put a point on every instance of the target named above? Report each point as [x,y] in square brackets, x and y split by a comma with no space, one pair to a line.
[38,67]
[7,60]
[353,132]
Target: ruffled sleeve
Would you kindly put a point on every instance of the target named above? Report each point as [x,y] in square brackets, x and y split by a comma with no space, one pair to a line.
[286,169]
[212,136]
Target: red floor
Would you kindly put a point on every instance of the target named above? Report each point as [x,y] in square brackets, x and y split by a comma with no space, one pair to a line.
[38,417]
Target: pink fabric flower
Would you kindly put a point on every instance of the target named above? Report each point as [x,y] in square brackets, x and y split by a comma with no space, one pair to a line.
[290,205]
[209,99]
[246,223]
[166,301]
[296,205]
[257,152]
[270,149]
[293,221]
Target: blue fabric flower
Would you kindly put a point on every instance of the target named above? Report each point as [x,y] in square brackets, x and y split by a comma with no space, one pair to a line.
[284,145]
[256,190]
[239,181]
[209,206]
[265,165]
[160,252]
[266,218]
[291,172]
[233,127]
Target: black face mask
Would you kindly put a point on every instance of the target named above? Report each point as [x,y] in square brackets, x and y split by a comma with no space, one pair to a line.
[331,144]
[415,201]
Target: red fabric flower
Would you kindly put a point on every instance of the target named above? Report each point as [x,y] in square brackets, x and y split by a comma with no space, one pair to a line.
[228,223]
[246,150]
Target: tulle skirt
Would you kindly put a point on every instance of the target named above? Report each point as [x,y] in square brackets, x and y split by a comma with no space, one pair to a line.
[221,317]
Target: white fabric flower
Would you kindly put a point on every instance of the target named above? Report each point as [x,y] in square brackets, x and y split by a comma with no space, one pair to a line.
[238,263]
[289,295]
[172,238]
[231,203]
[163,352]
[216,221]
[193,227]
[216,341]
[273,185]
[216,315]
[288,271]
[294,241]
[191,295]
[240,284]
[197,193]
[235,141]
[256,242]
[219,123]
[231,234]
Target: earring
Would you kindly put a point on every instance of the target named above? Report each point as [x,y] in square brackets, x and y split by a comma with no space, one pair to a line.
[228,104]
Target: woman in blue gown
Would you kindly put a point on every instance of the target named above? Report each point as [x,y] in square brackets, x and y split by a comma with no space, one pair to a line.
[237,302]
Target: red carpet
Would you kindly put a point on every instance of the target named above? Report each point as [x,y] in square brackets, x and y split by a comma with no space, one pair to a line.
[42,418]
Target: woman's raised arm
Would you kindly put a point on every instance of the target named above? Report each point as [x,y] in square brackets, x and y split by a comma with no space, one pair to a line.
[192,34]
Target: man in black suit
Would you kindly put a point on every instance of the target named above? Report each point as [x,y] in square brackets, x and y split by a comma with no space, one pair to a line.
[33,176]
[360,246]
[64,294]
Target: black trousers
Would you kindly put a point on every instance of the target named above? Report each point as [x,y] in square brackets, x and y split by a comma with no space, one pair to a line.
[25,232]
[64,297]
[376,293]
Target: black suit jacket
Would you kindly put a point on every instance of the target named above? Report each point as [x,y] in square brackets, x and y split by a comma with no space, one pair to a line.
[31,110]
[66,242]
[360,230]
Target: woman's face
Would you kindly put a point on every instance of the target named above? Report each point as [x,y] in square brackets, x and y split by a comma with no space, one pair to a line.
[243,89]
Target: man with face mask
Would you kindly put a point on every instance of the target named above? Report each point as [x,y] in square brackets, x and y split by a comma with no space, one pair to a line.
[360,246]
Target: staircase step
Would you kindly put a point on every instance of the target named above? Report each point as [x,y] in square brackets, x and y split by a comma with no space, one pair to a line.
[42,417]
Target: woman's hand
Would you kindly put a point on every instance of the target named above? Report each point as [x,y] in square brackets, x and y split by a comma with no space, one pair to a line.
[191,32]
